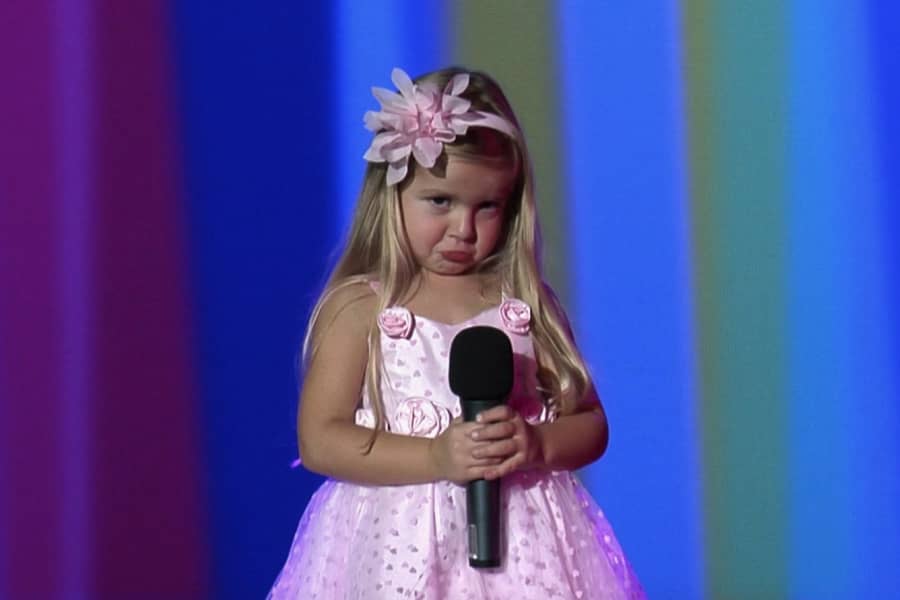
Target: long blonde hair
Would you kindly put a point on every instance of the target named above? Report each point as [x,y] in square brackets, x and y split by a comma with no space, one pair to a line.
[377,249]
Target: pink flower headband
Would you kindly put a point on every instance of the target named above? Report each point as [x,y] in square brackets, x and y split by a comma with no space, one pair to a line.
[420,120]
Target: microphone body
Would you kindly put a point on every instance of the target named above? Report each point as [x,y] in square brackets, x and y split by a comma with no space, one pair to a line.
[482,505]
[481,374]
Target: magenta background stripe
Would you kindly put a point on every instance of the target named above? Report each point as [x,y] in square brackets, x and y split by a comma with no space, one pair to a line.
[146,476]
[74,131]
[100,493]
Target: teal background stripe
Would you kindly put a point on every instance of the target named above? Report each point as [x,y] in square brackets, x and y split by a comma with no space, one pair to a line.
[736,69]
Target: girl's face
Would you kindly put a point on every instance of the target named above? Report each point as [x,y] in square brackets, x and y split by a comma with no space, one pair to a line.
[454,221]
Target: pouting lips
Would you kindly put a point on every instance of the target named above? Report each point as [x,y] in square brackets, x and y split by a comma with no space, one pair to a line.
[457,256]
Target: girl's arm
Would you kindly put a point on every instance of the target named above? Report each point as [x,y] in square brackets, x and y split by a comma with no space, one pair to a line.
[578,439]
[574,441]
[332,444]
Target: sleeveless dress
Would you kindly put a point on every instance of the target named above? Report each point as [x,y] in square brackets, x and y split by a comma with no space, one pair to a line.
[365,542]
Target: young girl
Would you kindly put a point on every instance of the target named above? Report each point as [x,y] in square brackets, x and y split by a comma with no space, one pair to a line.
[445,237]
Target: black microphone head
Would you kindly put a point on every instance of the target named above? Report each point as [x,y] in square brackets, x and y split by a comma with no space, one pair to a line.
[481,363]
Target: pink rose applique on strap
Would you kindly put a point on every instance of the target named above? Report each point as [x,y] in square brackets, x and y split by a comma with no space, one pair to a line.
[396,322]
[516,316]
[421,417]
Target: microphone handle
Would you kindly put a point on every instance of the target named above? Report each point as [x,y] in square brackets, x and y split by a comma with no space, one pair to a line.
[483,519]
[482,503]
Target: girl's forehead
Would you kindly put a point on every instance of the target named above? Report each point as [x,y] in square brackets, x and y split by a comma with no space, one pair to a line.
[464,177]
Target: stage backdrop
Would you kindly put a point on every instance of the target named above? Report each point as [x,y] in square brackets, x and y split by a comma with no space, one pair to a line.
[718,185]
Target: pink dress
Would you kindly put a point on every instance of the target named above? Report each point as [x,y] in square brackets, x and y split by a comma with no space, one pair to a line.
[384,542]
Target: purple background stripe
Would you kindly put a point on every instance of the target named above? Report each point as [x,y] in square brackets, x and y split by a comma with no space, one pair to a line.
[74,136]
[28,306]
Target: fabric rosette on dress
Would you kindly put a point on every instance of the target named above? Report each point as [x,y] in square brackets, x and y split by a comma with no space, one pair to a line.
[516,316]
[420,417]
[396,322]
[414,416]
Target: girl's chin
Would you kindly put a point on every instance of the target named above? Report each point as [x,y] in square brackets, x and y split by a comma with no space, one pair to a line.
[450,269]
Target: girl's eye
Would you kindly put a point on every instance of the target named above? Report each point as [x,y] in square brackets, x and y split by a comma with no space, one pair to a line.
[439,201]
[491,206]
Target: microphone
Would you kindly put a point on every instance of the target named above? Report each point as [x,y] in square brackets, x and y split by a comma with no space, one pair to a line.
[481,374]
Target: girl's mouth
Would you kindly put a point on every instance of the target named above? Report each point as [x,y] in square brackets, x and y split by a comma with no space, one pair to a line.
[457,256]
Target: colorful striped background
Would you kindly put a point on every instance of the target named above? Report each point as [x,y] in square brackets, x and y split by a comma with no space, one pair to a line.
[718,189]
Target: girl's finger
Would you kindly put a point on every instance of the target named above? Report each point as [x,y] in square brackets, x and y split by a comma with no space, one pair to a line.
[495,431]
[478,472]
[497,413]
[505,468]
[502,449]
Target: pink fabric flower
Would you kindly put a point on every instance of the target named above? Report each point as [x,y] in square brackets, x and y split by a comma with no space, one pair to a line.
[396,322]
[420,120]
[420,417]
[516,315]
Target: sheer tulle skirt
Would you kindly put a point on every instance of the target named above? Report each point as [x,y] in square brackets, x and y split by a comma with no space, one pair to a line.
[364,542]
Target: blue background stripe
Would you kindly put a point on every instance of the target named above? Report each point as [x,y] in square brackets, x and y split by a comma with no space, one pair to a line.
[631,277]
[257,139]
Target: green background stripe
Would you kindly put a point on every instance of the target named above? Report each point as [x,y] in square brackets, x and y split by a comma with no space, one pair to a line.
[735,74]
[489,37]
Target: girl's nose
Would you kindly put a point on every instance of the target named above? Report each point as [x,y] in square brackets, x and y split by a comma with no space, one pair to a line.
[464,226]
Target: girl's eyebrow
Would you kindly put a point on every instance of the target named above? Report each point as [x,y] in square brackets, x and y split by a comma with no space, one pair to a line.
[434,192]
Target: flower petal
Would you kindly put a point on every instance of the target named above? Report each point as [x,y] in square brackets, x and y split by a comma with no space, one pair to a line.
[445,136]
[426,150]
[375,153]
[455,105]
[397,171]
[458,126]
[396,151]
[403,83]
[457,85]
[373,120]
[428,97]
[390,100]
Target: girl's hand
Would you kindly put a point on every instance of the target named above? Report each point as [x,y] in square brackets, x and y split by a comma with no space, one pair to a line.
[507,437]
[452,453]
